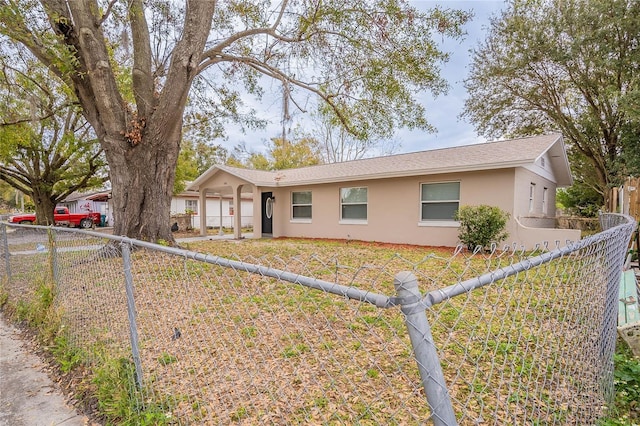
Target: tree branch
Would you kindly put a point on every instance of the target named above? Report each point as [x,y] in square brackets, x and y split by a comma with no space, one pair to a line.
[141,73]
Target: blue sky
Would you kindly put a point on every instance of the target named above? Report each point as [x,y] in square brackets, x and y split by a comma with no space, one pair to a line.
[442,112]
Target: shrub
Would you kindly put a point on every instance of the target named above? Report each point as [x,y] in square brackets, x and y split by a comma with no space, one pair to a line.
[481,225]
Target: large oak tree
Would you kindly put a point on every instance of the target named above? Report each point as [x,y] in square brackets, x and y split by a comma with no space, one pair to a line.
[132,65]
[564,65]
[47,148]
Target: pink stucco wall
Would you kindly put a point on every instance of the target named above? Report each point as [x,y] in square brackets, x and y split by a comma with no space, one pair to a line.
[394,210]
[393,213]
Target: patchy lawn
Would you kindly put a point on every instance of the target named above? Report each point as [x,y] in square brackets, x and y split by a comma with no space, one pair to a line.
[219,345]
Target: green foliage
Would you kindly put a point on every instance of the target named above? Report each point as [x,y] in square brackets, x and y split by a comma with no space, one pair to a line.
[4,294]
[166,358]
[480,226]
[162,242]
[580,200]
[47,149]
[186,170]
[195,159]
[118,397]
[287,154]
[37,312]
[568,66]
[281,154]
[626,405]
[65,354]
[366,62]
[113,379]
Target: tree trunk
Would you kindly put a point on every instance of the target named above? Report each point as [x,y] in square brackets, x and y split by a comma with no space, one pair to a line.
[44,208]
[142,186]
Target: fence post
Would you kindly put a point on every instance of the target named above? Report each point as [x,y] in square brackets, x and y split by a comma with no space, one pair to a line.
[424,349]
[131,312]
[5,248]
[53,256]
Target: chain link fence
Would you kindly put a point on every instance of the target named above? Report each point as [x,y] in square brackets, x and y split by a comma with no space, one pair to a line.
[284,335]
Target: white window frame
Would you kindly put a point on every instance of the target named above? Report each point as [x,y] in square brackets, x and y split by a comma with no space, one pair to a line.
[423,203]
[532,197]
[189,203]
[545,200]
[293,205]
[366,204]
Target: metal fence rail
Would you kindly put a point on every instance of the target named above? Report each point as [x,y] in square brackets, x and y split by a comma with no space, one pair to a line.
[284,336]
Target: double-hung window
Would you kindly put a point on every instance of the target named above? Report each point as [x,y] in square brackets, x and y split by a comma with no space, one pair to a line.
[353,204]
[439,201]
[301,205]
[532,195]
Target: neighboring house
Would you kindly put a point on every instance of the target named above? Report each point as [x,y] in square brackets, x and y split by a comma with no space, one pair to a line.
[406,198]
[218,209]
[90,202]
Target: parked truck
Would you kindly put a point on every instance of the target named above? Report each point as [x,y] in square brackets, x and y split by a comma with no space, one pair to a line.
[62,217]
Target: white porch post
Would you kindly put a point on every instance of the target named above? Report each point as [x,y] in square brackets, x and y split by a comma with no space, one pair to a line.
[257,212]
[203,212]
[220,231]
[237,218]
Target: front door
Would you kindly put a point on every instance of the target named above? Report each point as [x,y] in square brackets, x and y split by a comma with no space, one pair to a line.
[267,213]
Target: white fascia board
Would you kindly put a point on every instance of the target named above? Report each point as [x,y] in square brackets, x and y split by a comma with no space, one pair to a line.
[408,173]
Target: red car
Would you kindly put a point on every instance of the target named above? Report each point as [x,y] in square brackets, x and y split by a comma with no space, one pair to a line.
[62,217]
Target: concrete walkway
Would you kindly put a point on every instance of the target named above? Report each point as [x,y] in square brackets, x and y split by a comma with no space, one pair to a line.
[28,397]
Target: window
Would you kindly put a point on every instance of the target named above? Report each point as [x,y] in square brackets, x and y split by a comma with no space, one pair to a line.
[545,195]
[439,201]
[353,204]
[532,193]
[191,206]
[301,205]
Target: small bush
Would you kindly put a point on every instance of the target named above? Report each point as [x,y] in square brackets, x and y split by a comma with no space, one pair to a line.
[481,225]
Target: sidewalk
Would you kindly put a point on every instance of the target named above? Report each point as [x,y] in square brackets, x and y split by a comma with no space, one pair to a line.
[28,397]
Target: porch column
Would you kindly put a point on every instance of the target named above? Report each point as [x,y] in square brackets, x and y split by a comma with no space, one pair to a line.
[237,218]
[203,212]
[257,212]
[220,231]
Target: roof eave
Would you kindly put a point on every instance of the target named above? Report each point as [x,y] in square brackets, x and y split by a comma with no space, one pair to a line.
[405,173]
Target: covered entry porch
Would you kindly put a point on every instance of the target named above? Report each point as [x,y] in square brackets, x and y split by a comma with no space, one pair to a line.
[218,182]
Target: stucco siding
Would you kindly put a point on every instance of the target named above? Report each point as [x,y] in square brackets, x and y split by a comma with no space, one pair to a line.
[393,208]
[542,206]
[530,237]
[498,173]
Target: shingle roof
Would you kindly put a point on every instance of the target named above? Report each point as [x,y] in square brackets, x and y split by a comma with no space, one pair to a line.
[482,156]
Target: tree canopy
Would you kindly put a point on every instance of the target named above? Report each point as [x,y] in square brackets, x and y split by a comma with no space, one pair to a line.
[47,148]
[132,66]
[194,159]
[568,66]
[281,154]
